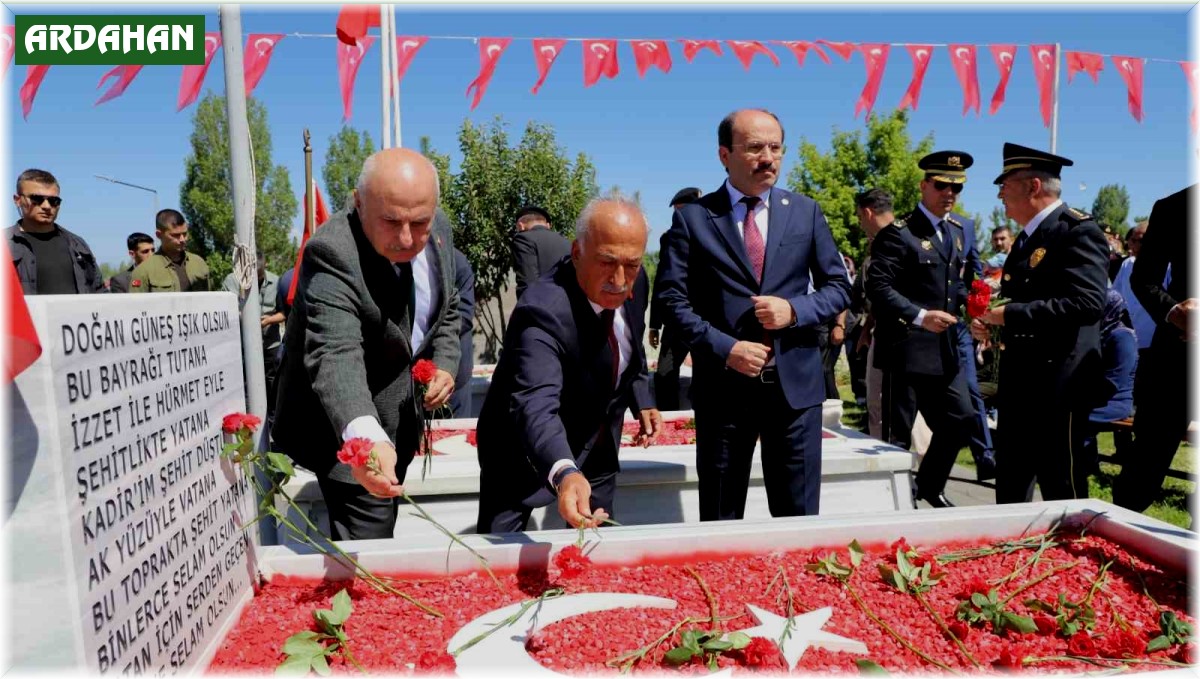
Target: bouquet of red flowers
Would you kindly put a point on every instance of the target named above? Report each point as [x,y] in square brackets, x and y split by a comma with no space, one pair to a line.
[979,302]
[423,372]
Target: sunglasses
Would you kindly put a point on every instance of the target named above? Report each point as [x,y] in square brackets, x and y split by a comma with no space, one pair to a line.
[38,199]
[942,186]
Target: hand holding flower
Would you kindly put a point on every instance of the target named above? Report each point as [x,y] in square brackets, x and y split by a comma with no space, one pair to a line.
[373,465]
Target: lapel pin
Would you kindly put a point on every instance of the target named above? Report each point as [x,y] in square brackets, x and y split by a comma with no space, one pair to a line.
[926,245]
[784,201]
[1036,257]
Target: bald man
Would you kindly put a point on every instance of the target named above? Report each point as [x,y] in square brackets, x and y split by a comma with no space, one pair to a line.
[358,311]
[572,365]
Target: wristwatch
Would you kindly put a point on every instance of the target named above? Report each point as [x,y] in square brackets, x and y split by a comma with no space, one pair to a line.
[563,474]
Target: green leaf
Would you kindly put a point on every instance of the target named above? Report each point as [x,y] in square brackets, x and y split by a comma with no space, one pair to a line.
[691,639]
[295,666]
[324,618]
[979,600]
[281,462]
[321,666]
[739,640]
[902,563]
[869,667]
[1021,623]
[1158,644]
[719,645]
[342,608]
[680,655]
[900,581]
[712,662]
[297,644]
[856,553]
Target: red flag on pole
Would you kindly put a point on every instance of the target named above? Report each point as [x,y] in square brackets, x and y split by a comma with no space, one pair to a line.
[599,59]
[845,50]
[800,48]
[1084,61]
[349,58]
[490,50]
[1193,77]
[1003,54]
[963,59]
[1044,57]
[746,49]
[920,54]
[322,216]
[124,75]
[647,53]
[33,80]
[692,47]
[545,51]
[875,57]
[23,346]
[6,48]
[193,76]
[1130,69]
[354,20]
[406,49]
[259,48]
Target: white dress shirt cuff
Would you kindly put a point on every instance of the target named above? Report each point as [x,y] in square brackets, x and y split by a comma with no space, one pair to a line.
[366,427]
[558,466]
[920,317]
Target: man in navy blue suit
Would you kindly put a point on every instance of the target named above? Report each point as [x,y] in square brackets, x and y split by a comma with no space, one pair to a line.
[750,320]
[572,365]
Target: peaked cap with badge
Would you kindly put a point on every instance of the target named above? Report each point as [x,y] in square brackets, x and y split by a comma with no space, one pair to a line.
[1017,157]
[946,166]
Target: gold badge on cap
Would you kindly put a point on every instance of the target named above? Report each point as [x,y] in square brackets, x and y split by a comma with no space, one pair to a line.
[926,245]
[1036,257]
[954,161]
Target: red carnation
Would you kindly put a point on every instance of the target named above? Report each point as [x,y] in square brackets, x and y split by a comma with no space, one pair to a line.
[571,561]
[1123,644]
[235,422]
[1082,645]
[356,452]
[1045,624]
[436,662]
[976,585]
[959,629]
[423,371]
[1186,654]
[1011,659]
[473,438]
[979,299]
[762,653]
[900,545]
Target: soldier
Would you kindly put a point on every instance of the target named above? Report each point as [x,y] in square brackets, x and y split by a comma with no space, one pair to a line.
[916,291]
[172,268]
[1055,280]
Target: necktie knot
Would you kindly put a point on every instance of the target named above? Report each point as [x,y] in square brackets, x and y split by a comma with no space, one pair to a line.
[751,201]
[606,318]
[1021,238]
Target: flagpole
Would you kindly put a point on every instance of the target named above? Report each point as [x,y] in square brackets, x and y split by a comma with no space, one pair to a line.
[385,62]
[310,196]
[395,75]
[1054,100]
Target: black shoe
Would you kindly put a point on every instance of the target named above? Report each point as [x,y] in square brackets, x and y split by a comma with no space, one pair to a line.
[985,469]
[937,501]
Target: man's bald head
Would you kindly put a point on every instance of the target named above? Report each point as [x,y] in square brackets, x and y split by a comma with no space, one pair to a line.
[610,240]
[396,199]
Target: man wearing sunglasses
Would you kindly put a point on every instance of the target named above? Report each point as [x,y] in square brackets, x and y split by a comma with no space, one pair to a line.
[49,259]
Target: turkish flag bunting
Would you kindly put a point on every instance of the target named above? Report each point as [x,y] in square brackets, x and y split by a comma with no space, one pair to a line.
[124,75]
[406,49]
[1130,69]
[1044,57]
[193,76]
[599,59]
[845,50]
[649,53]
[920,55]
[1003,54]
[259,48]
[490,50]
[354,20]
[1084,61]
[746,49]
[322,215]
[963,59]
[349,58]
[692,47]
[1193,77]
[33,80]
[875,57]
[545,51]
[21,341]
[800,48]
[7,50]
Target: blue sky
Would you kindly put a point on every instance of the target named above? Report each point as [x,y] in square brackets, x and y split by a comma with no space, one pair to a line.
[653,134]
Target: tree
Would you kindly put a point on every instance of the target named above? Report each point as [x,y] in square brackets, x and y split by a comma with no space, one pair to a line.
[1112,207]
[348,150]
[206,194]
[886,159]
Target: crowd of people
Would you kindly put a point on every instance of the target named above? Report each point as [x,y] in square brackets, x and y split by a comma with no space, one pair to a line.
[750,288]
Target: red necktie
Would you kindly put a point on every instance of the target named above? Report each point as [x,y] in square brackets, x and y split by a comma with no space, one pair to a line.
[607,316]
[756,250]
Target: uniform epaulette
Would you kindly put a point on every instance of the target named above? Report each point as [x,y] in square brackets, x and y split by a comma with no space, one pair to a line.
[899,223]
[952,220]
[1076,216]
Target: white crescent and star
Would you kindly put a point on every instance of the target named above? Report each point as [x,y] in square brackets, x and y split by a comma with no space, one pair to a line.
[600,49]
[1043,56]
[922,55]
[263,52]
[649,45]
[210,44]
[409,44]
[1005,57]
[1126,65]
[8,41]
[549,50]
[492,49]
[964,54]
[876,52]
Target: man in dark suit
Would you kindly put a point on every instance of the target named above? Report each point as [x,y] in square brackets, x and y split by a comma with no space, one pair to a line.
[1055,280]
[1164,406]
[572,365]
[536,247]
[734,270]
[916,291]
[350,337]
[464,282]
[671,350]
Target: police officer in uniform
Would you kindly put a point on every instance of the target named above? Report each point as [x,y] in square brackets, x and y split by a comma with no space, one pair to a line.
[172,268]
[1055,281]
[916,292]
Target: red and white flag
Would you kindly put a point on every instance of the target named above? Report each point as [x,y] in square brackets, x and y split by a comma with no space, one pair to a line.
[875,57]
[34,75]
[963,59]
[599,59]
[1088,62]
[259,48]
[406,49]
[647,53]
[746,49]
[845,50]
[22,346]
[349,58]
[692,47]
[1044,57]
[193,76]
[490,50]
[124,75]
[1192,72]
[322,216]
[800,48]
[1130,69]
[545,52]
[7,49]
[1003,54]
[354,20]
[920,54]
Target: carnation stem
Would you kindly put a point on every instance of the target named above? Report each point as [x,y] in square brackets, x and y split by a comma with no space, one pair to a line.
[630,659]
[942,623]
[887,628]
[1100,661]
[1100,578]
[712,600]
[454,538]
[1040,578]
[548,594]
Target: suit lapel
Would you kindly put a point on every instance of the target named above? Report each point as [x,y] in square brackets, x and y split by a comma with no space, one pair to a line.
[780,221]
[721,214]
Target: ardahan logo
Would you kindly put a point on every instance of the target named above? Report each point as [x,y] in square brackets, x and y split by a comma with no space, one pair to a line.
[108,40]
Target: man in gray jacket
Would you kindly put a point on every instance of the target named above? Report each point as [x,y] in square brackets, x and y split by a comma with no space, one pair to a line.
[349,353]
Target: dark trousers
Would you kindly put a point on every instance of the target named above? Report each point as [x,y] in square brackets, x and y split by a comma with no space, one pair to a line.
[945,402]
[858,364]
[981,434]
[461,401]
[355,514]
[1160,421]
[499,514]
[829,356]
[666,375]
[726,431]
[1041,442]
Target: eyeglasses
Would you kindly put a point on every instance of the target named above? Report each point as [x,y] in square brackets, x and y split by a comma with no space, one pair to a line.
[942,186]
[37,199]
[755,148]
